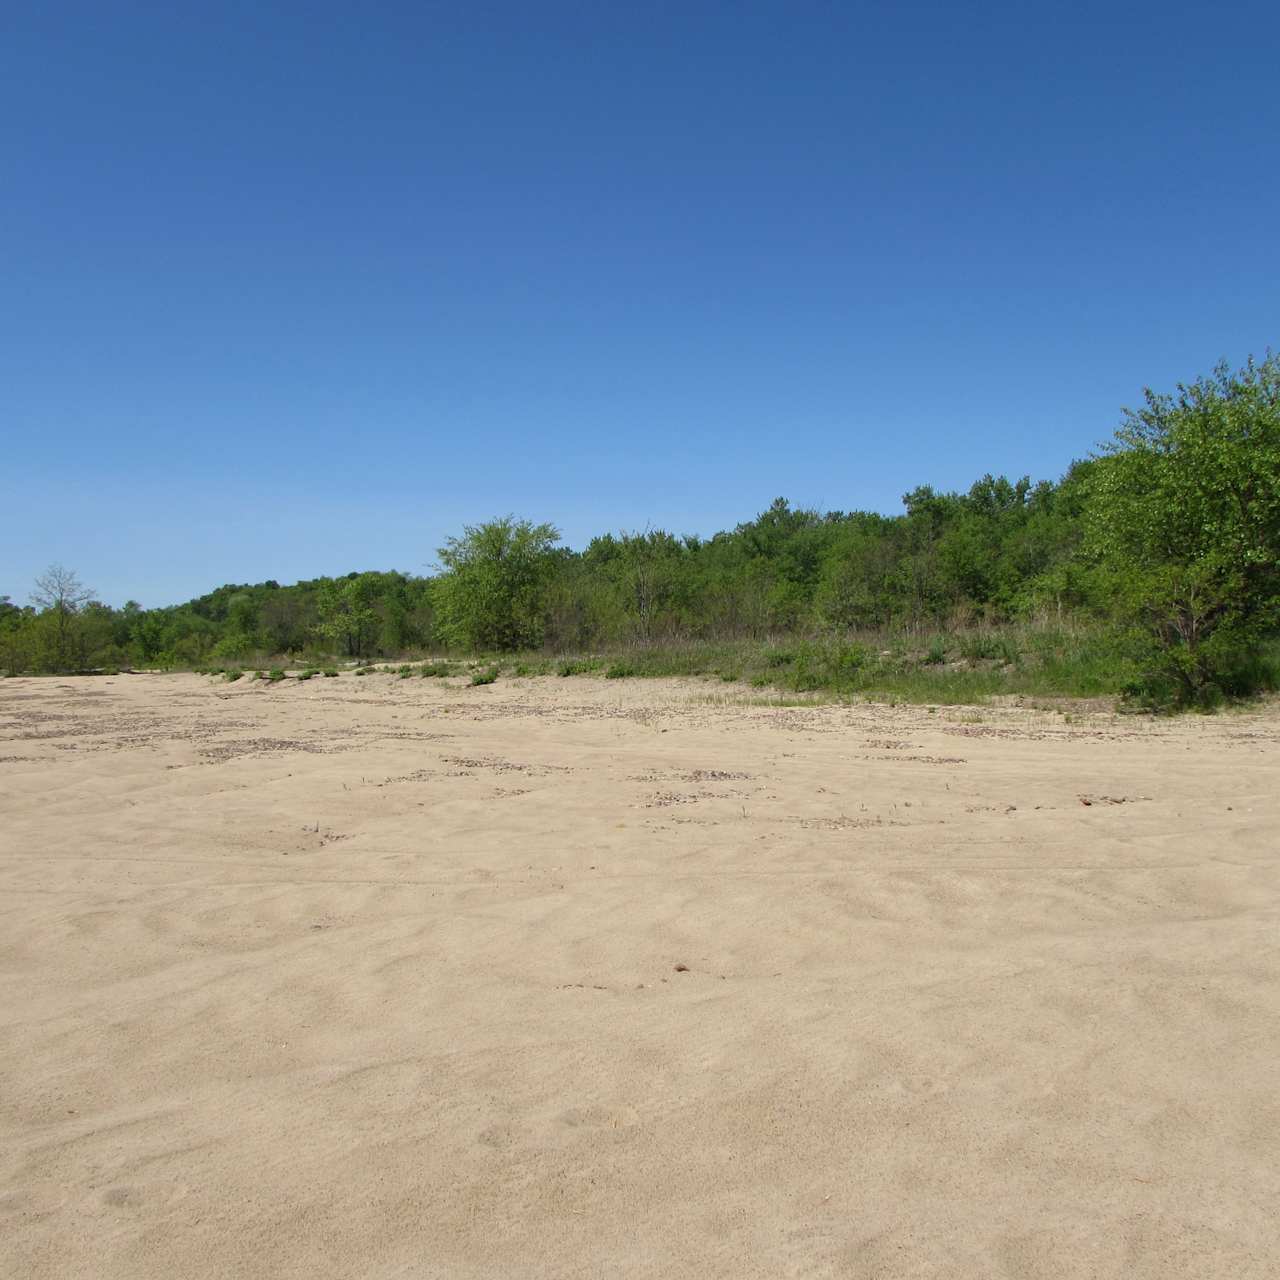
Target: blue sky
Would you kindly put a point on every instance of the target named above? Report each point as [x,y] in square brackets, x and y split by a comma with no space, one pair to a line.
[294,289]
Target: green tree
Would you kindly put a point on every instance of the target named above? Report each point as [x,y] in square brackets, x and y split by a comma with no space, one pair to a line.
[1183,516]
[491,593]
[348,619]
[61,597]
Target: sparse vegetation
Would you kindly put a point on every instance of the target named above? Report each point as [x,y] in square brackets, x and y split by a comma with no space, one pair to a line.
[486,675]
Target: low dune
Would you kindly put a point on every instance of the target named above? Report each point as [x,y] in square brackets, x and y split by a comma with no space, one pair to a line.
[370,977]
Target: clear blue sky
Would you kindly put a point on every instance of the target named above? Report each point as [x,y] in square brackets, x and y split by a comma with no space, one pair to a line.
[292,289]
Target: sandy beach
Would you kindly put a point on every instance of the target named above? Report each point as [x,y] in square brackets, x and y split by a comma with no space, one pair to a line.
[371,977]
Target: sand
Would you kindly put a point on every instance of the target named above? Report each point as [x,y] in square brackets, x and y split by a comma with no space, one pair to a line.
[368,977]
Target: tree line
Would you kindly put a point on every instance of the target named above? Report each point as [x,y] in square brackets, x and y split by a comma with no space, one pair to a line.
[1170,535]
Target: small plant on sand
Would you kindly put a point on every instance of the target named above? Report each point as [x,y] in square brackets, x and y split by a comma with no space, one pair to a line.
[275,675]
[486,676]
[440,669]
[330,672]
[232,676]
[308,672]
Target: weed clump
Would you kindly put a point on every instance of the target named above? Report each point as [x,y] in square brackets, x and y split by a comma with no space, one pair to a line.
[577,666]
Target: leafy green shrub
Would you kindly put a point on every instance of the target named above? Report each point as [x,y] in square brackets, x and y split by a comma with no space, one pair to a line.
[620,671]
[490,595]
[487,676]
[330,672]
[429,670]
[275,675]
[232,676]
[308,672]
[1220,671]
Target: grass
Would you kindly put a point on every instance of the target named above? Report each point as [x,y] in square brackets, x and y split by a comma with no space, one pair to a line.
[578,666]
[437,670]
[940,668]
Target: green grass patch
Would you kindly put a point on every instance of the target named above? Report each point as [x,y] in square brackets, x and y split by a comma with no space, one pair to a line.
[437,670]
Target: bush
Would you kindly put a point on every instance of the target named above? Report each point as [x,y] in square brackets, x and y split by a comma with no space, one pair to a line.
[232,676]
[490,595]
[487,676]
[620,671]
[275,675]
[1183,518]
[330,672]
